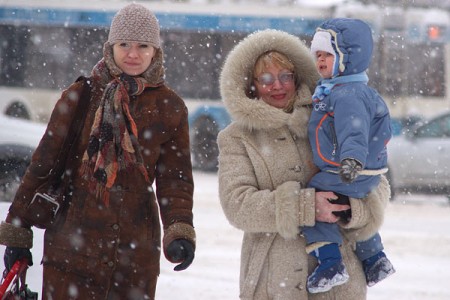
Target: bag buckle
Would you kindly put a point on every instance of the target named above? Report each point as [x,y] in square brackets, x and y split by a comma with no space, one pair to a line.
[48,198]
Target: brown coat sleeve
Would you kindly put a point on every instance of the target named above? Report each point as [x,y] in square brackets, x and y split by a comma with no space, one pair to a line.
[173,169]
[45,155]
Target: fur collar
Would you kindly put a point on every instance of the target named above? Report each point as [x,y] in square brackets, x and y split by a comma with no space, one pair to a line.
[255,114]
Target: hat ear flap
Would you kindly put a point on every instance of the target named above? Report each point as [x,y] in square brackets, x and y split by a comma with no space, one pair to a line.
[338,67]
[335,65]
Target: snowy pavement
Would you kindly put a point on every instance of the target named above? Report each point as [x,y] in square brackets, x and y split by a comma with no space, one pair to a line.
[416,235]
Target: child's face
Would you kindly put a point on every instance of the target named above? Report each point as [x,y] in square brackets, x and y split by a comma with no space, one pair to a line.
[324,64]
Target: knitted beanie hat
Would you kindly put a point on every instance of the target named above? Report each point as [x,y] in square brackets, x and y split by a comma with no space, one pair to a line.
[135,23]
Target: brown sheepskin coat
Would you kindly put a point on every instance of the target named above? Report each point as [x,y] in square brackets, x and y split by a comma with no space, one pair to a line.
[117,247]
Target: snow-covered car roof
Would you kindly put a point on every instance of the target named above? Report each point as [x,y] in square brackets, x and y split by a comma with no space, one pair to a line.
[20,132]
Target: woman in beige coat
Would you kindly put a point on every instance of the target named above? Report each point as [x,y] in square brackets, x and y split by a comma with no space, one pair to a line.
[265,163]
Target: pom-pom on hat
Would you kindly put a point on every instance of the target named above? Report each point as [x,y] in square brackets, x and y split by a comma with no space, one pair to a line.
[135,23]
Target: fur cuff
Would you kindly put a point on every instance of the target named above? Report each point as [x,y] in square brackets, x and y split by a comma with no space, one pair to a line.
[368,213]
[291,208]
[13,236]
[178,231]
[287,209]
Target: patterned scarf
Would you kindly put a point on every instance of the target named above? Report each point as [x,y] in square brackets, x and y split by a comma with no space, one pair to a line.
[113,145]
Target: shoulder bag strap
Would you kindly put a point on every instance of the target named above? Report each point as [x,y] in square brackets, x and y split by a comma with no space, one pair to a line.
[74,130]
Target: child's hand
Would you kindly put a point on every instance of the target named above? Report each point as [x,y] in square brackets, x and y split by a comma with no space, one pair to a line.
[349,170]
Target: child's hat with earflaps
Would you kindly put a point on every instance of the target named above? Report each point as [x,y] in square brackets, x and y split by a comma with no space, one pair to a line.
[323,41]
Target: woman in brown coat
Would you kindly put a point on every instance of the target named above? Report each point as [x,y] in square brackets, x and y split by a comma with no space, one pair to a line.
[265,163]
[135,134]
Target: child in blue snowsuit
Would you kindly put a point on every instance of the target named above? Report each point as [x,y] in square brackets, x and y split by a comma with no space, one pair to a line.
[348,131]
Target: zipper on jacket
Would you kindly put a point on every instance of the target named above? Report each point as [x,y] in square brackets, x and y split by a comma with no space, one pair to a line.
[334,138]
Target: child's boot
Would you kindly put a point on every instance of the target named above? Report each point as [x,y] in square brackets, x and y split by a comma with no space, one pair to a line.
[377,268]
[330,271]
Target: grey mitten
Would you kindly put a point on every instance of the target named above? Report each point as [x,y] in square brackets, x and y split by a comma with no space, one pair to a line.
[349,170]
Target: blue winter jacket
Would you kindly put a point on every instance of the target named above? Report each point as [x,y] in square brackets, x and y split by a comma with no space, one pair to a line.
[352,121]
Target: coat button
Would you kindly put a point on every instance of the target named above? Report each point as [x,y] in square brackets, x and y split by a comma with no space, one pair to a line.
[115,227]
[110,264]
[296,168]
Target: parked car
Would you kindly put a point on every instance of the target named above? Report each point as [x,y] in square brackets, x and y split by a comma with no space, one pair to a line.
[399,125]
[18,139]
[419,158]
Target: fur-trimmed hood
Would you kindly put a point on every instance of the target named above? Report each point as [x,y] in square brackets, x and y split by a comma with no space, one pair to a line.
[255,114]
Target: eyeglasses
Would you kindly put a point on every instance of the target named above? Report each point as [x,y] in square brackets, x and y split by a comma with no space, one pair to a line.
[269,78]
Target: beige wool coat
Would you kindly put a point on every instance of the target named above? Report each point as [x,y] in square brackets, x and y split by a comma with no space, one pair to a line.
[265,163]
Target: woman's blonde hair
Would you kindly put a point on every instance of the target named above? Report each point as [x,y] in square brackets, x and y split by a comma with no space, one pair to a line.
[272,58]
[266,59]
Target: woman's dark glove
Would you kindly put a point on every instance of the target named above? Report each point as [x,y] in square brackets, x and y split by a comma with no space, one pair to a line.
[13,254]
[181,251]
[349,170]
[345,215]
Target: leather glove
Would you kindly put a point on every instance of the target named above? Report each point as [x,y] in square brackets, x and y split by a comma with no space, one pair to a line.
[181,250]
[13,254]
[345,215]
[349,170]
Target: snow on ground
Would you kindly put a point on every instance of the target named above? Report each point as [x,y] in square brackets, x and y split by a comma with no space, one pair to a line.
[416,236]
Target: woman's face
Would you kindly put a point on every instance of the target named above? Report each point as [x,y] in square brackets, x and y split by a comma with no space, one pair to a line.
[133,58]
[275,85]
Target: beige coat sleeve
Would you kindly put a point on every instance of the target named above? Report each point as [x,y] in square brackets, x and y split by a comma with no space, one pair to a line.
[251,207]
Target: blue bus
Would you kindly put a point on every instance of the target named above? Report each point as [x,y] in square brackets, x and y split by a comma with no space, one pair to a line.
[45,45]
